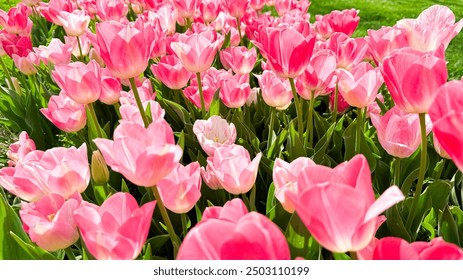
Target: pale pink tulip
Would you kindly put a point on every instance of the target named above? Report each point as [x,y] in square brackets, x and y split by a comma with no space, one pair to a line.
[64,113]
[145,91]
[345,21]
[185,8]
[166,16]
[74,23]
[239,59]
[231,233]
[143,155]
[338,205]
[27,64]
[398,132]
[16,20]
[170,71]
[192,94]
[383,41]
[19,149]
[181,189]
[209,178]
[213,133]
[117,229]
[236,8]
[84,45]
[55,53]
[50,223]
[276,91]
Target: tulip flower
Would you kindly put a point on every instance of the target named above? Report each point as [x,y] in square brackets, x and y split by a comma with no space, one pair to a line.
[171,72]
[111,9]
[209,178]
[50,221]
[110,88]
[143,155]
[192,93]
[27,64]
[84,45]
[213,133]
[345,21]
[117,229]
[16,20]
[74,23]
[338,205]
[210,9]
[383,41]
[234,90]
[239,59]
[349,51]
[55,53]
[185,8]
[181,189]
[130,113]
[231,233]
[413,78]
[64,113]
[16,45]
[19,149]
[51,10]
[276,91]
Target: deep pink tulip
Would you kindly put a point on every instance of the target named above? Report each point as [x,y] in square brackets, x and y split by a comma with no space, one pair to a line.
[383,41]
[338,205]
[143,155]
[125,48]
[50,223]
[55,53]
[213,133]
[81,82]
[74,23]
[287,50]
[257,4]
[111,9]
[235,90]
[285,177]
[15,44]
[239,59]
[438,147]
[170,72]
[345,21]
[231,233]
[236,8]
[276,91]
[446,115]
[65,113]
[110,88]
[210,9]
[398,132]
[181,189]
[27,64]
[360,85]
[234,169]
[117,229]
[19,149]
[16,20]
[413,78]
[349,51]
[197,51]
[342,104]
[192,94]
[185,8]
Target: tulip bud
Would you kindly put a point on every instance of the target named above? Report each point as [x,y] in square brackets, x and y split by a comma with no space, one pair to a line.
[100,173]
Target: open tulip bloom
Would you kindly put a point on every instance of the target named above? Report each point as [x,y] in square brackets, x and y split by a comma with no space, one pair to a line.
[227,130]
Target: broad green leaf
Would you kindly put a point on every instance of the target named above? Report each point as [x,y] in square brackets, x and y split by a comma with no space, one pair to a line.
[271,203]
[147,255]
[35,252]
[396,224]
[301,242]
[439,192]
[294,145]
[157,242]
[448,227]
[341,256]
[277,144]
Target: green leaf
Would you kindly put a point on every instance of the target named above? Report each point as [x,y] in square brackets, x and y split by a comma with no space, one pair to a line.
[341,256]
[214,108]
[407,183]
[422,209]
[323,143]
[277,144]
[439,192]
[396,225]
[301,242]
[430,223]
[271,202]
[36,252]
[294,145]
[148,254]
[124,187]
[448,227]
[157,242]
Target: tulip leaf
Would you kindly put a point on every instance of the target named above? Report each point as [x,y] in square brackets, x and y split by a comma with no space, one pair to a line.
[294,145]
[277,144]
[124,187]
[407,183]
[301,242]
[396,225]
[448,227]
[214,108]
[157,242]
[323,143]
[271,202]
[341,256]
[36,252]
[422,209]
[458,216]
[147,255]
[439,192]
[350,138]
[430,223]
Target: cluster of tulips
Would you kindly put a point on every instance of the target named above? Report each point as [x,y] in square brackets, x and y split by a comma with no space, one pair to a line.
[228,129]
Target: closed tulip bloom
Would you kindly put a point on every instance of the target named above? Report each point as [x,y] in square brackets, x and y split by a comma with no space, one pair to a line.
[285,177]
[85,45]
[111,9]
[231,233]
[16,20]
[338,205]
[74,23]
[81,82]
[19,149]
[438,147]
[383,41]
[234,169]
[27,64]
[398,132]
[171,72]
[65,114]
[446,115]
[345,21]
[236,8]
[125,48]
[181,189]
[276,91]
[413,78]
[55,53]
[360,85]
[209,178]
[50,223]
[349,51]
[117,229]
[235,90]
[110,88]
[239,59]
[185,8]
[210,9]
[143,155]
[213,133]
[51,10]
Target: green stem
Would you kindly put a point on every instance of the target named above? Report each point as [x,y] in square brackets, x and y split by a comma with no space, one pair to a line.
[238,24]
[271,128]
[7,74]
[419,184]
[94,118]
[200,88]
[117,106]
[70,254]
[310,118]
[252,198]
[335,104]
[167,222]
[300,127]
[353,255]
[381,105]
[397,171]
[184,224]
[139,104]
[246,201]
[359,130]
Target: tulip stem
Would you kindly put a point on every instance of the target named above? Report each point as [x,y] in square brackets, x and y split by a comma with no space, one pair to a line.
[117,107]
[201,95]
[94,118]
[397,171]
[359,130]
[184,224]
[252,198]
[353,255]
[298,110]
[139,104]
[419,184]
[168,223]
[238,26]
[7,74]
[270,138]
[81,58]
[310,119]
[70,254]
[335,104]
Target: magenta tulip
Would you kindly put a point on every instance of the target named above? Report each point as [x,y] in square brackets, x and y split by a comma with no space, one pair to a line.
[16,20]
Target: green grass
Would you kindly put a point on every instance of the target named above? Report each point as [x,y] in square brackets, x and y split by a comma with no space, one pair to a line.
[377,13]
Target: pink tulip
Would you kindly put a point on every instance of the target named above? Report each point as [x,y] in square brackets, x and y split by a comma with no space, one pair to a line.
[285,177]
[145,90]
[338,205]
[446,116]
[398,132]
[413,78]
[181,189]
[15,44]
[257,4]
[84,45]
[192,94]
[213,133]
[16,20]
[239,59]
[81,82]
[74,23]
[235,90]
[27,64]
[349,51]
[383,41]
[342,104]
[19,149]
[111,9]
[117,229]
[276,91]
[55,53]
[345,21]
[210,9]
[185,8]
[166,16]
[130,113]
[197,51]
[110,88]
[143,155]
[51,9]
[209,178]
[291,7]
[50,221]
[171,72]
[287,50]
[360,85]
[236,8]
[231,233]
[234,169]
[31,2]
[64,113]
[125,48]
[434,27]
